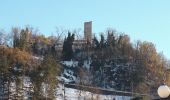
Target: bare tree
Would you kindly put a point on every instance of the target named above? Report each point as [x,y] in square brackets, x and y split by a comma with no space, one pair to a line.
[15,32]
[77,33]
[60,33]
[3,37]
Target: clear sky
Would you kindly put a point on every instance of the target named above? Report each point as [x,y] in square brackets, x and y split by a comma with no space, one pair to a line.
[141,19]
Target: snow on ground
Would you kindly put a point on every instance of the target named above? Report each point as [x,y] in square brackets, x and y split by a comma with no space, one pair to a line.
[37,58]
[70,63]
[67,76]
[70,94]
[74,94]
[87,64]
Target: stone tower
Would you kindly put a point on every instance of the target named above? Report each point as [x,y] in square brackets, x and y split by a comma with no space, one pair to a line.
[88,31]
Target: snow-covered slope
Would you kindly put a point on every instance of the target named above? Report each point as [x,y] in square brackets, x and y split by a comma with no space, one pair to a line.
[74,94]
[70,72]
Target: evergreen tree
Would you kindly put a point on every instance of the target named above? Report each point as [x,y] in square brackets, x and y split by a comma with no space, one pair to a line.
[95,43]
[102,41]
[67,47]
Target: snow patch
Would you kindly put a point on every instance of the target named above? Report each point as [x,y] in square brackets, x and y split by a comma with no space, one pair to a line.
[70,63]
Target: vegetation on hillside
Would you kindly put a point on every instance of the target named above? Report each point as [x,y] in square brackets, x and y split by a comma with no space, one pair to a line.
[115,62]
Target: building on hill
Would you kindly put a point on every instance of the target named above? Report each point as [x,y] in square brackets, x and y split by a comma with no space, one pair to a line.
[88,31]
[80,43]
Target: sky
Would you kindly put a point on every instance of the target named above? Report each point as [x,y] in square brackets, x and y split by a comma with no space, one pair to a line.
[145,20]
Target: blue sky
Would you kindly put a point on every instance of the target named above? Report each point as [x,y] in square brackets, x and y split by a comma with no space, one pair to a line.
[141,19]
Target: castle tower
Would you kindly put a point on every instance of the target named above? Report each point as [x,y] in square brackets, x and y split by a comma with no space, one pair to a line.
[88,31]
